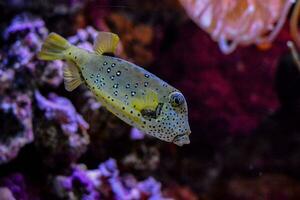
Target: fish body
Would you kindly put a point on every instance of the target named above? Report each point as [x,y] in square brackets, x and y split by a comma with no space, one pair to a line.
[133,94]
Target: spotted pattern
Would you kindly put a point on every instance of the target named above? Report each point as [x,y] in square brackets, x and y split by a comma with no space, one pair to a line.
[118,83]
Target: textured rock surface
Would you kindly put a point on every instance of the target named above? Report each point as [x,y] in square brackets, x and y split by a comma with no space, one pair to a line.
[60,132]
[104,183]
[16,125]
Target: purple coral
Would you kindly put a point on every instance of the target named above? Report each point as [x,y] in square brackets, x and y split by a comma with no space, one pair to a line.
[55,7]
[23,39]
[136,134]
[84,38]
[6,194]
[15,186]
[15,126]
[79,185]
[151,188]
[25,23]
[62,111]
[61,133]
[53,74]
[105,182]
[18,69]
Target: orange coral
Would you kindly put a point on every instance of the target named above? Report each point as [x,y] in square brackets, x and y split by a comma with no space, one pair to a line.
[234,22]
[136,38]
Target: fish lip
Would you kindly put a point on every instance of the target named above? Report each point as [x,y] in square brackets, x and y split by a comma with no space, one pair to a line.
[178,139]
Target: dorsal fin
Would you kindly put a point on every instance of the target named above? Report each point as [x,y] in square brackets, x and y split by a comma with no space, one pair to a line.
[72,77]
[106,42]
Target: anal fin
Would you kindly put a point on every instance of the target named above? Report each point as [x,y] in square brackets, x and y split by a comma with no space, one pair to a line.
[72,77]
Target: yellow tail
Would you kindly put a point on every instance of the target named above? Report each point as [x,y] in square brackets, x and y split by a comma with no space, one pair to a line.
[53,47]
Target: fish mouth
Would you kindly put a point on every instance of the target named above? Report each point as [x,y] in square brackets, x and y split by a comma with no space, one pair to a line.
[188,133]
[182,139]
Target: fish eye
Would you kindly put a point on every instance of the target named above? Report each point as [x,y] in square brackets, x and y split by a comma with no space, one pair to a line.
[176,99]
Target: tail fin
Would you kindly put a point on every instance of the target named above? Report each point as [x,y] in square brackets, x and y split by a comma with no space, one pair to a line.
[53,47]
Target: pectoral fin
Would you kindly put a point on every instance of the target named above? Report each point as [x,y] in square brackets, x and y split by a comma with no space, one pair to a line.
[72,77]
[149,101]
[106,42]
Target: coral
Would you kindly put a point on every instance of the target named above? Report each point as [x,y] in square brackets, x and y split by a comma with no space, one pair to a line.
[136,38]
[104,183]
[15,186]
[23,24]
[84,38]
[239,22]
[19,69]
[23,39]
[150,188]
[136,134]
[242,137]
[56,7]
[142,157]
[6,194]
[52,74]
[60,132]
[16,125]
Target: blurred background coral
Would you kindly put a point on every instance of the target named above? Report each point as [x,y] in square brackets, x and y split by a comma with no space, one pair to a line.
[229,58]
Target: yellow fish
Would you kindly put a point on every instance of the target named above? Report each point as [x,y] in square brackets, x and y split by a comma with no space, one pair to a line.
[130,92]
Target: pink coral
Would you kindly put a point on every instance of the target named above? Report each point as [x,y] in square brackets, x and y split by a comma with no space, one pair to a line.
[232,22]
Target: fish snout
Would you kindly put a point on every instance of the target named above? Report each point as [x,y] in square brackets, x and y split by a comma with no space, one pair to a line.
[181,140]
